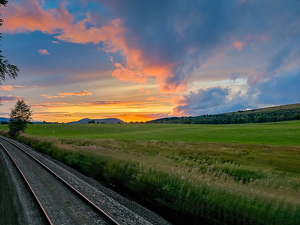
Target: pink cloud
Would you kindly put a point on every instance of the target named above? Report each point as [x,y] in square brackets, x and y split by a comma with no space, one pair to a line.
[65,94]
[28,16]
[80,93]
[238,45]
[43,51]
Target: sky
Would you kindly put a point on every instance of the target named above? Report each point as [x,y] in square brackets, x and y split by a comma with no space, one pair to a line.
[142,60]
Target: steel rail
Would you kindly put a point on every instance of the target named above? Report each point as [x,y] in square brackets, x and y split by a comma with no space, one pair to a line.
[102,212]
[31,189]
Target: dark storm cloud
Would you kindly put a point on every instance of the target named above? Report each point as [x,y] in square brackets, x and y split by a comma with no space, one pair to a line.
[282,89]
[276,61]
[176,32]
[209,101]
[186,33]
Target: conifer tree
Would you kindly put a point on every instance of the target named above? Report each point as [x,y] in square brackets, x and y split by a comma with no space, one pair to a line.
[19,118]
[6,69]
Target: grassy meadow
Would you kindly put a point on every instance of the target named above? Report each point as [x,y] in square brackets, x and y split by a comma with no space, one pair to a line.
[281,133]
[215,174]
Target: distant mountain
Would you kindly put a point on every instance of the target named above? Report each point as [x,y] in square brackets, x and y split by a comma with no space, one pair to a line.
[108,120]
[4,119]
[269,114]
[7,120]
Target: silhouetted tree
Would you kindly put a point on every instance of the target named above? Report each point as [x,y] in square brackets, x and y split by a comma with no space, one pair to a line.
[20,117]
[5,67]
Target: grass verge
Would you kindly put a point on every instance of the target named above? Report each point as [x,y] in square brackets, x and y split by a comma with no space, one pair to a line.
[191,182]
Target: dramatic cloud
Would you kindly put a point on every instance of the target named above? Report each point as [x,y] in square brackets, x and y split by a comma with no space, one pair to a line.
[168,55]
[43,51]
[208,46]
[274,63]
[279,90]
[209,101]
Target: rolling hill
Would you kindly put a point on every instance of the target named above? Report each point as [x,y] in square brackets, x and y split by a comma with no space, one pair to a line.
[107,121]
[269,114]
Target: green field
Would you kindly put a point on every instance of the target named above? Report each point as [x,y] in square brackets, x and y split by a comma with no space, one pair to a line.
[215,174]
[283,133]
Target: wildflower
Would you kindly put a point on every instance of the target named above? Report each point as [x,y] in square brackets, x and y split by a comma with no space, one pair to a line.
[212,165]
[225,174]
[208,184]
[251,179]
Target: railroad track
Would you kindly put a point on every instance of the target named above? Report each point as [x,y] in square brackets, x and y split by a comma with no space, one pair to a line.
[63,197]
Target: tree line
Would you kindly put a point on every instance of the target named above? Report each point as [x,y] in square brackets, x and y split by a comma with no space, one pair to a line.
[254,116]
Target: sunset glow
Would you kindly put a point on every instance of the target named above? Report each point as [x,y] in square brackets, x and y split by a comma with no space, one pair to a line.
[139,61]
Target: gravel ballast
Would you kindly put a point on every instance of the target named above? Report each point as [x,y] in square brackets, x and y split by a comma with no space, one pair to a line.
[121,209]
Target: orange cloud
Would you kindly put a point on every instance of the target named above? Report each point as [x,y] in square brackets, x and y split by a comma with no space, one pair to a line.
[10,87]
[150,99]
[29,16]
[6,88]
[80,93]
[147,91]
[49,96]
[125,74]
[64,94]
[167,99]
[51,105]
[109,103]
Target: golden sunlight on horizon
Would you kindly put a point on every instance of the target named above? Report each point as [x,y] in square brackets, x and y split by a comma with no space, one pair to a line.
[126,111]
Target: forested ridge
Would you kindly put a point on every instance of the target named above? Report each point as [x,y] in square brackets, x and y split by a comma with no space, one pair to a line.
[270,114]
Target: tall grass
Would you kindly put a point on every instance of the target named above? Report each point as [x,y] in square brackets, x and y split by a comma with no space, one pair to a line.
[192,182]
